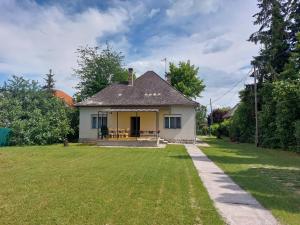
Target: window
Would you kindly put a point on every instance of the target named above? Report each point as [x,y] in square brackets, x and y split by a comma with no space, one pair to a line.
[94,122]
[98,123]
[172,122]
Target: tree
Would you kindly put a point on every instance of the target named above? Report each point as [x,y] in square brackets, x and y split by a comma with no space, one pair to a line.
[185,79]
[218,114]
[201,122]
[286,94]
[97,69]
[50,82]
[33,114]
[273,37]
[292,68]
[243,120]
[293,15]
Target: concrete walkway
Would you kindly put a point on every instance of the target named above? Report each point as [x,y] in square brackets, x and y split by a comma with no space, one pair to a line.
[235,205]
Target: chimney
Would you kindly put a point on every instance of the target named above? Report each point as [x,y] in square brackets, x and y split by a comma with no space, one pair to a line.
[130,76]
[168,78]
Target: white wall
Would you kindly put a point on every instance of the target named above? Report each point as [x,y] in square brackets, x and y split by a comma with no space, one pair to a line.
[188,124]
[85,125]
[148,122]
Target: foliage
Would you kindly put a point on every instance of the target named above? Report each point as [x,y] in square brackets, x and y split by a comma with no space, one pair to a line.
[219,113]
[73,115]
[267,118]
[292,68]
[297,135]
[243,121]
[287,98]
[97,69]
[184,78]
[278,67]
[293,14]
[273,38]
[201,123]
[50,82]
[221,129]
[34,115]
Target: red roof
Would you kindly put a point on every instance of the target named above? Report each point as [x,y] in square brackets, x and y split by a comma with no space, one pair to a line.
[64,96]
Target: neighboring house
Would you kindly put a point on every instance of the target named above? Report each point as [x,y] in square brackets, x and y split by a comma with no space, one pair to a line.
[145,109]
[64,97]
[231,112]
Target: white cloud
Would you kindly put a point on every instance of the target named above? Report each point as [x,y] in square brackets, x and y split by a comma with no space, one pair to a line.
[181,8]
[220,69]
[35,38]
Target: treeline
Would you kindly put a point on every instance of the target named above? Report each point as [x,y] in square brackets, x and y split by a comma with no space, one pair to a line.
[278,75]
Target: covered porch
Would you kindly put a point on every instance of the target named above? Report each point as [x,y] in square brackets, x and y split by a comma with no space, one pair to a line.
[128,127]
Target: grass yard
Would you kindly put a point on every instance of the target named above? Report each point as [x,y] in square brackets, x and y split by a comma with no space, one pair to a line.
[92,185]
[271,176]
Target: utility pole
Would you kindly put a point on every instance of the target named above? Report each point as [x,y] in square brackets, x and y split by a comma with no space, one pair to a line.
[211,116]
[255,102]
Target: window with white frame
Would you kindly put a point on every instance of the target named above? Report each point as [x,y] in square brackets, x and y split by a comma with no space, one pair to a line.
[98,121]
[172,121]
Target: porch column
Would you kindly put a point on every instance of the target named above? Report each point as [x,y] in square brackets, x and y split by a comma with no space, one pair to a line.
[157,124]
[136,137]
[117,125]
[98,128]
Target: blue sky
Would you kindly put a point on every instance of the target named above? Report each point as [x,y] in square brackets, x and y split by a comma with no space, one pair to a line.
[212,34]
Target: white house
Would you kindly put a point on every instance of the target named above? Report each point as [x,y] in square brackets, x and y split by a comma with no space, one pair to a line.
[139,112]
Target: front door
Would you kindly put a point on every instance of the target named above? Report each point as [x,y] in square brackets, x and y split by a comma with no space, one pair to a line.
[135,126]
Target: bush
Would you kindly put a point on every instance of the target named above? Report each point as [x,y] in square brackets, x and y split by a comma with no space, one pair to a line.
[242,126]
[204,130]
[297,135]
[221,129]
[33,114]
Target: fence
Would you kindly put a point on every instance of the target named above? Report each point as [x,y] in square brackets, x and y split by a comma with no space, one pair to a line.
[4,136]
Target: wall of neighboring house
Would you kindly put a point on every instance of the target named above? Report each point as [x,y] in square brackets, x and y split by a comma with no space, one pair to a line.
[147,122]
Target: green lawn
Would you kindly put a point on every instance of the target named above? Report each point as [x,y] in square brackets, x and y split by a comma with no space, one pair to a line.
[271,176]
[92,185]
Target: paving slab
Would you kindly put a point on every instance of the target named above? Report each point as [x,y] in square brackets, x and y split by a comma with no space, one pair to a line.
[235,205]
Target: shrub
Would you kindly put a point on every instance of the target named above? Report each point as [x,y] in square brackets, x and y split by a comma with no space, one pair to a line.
[221,129]
[33,114]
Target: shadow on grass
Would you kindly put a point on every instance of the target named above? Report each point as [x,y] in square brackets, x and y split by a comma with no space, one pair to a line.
[274,188]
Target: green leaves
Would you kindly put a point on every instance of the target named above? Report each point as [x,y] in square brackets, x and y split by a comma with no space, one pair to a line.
[185,79]
[97,69]
[33,114]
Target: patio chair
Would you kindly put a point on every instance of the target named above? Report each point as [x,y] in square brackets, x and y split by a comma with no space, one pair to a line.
[112,133]
[121,133]
[126,133]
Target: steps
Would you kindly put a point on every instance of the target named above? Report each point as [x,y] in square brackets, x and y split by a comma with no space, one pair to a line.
[163,141]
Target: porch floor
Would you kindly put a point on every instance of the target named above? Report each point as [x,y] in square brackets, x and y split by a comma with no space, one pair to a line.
[129,141]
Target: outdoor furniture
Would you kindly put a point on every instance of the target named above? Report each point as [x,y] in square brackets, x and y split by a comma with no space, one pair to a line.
[112,133]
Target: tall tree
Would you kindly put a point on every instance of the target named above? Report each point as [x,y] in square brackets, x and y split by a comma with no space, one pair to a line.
[184,78]
[292,68]
[293,15]
[97,69]
[273,37]
[50,82]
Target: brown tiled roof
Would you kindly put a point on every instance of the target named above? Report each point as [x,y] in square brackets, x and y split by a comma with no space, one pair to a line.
[148,90]
[64,96]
